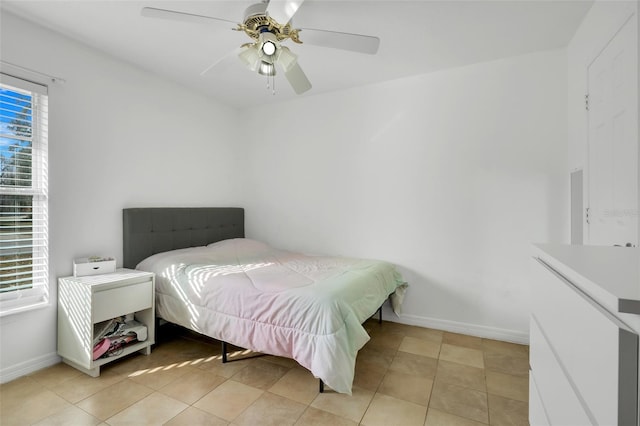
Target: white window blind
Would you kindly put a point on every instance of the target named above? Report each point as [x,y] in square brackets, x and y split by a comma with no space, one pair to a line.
[24,270]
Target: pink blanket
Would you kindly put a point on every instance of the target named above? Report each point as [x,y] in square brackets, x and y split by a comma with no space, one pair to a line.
[309,308]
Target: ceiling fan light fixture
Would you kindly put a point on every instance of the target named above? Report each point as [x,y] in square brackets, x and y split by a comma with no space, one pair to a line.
[286,58]
[268,43]
[250,57]
[267,69]
[269,48]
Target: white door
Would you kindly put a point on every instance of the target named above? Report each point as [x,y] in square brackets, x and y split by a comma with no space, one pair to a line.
[612,194]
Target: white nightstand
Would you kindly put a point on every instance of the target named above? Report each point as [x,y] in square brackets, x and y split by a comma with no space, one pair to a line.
[85,301]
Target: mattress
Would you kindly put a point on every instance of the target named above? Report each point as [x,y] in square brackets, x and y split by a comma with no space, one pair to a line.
[244,292]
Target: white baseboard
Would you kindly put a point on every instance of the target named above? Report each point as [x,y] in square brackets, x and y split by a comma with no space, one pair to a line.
[494,333]
[22,369]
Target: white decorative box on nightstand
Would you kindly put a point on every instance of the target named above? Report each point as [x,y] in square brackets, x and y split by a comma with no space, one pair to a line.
[85,301]
[95,265]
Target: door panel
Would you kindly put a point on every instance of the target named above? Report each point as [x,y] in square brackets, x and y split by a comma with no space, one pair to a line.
[612,176]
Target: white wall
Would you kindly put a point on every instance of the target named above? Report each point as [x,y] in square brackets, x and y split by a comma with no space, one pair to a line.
[450,175]
[118,137]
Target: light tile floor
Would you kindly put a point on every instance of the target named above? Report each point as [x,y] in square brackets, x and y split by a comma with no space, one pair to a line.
[405,376]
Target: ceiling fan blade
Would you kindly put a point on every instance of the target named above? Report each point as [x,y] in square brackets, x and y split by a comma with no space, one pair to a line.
[223,63]
[337,40]
[283,10]
[297,79]
[152,12]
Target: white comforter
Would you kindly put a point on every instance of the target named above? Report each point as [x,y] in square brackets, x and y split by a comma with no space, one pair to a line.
[309,308]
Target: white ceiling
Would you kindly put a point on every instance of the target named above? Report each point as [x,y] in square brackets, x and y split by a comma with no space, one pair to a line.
[416,37]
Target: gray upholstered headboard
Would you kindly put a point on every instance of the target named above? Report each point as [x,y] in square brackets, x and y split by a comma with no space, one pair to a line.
[148,231]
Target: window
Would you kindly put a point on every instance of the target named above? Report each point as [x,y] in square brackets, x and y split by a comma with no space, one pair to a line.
[24,271]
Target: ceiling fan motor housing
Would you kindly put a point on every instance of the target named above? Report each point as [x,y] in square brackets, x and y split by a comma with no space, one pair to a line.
[257,21]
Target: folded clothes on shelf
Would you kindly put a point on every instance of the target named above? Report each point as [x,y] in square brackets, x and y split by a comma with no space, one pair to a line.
[112,335]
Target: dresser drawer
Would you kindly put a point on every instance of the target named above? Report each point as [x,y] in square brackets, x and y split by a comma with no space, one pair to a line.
[596,351]
[119,301]
[552,394]
[537,413]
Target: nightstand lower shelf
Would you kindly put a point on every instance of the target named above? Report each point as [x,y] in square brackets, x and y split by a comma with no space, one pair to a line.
[142,347]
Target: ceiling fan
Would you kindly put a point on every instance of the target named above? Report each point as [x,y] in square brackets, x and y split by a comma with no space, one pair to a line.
[269,24]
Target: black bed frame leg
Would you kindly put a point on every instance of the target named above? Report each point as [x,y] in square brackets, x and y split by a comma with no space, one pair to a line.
[380,315]
[224,352]
[321,385]
[157,328]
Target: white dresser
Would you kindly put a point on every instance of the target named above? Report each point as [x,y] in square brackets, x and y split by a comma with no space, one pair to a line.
[585,321]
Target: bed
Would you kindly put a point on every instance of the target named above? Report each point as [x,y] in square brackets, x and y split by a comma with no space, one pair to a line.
[213,280]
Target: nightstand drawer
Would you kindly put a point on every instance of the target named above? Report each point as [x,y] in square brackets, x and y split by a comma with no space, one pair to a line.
[119,301]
